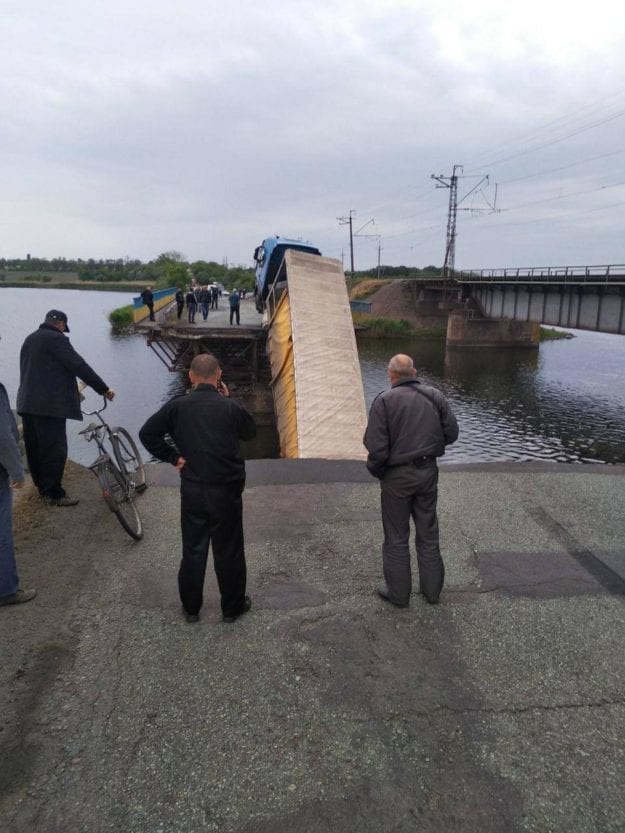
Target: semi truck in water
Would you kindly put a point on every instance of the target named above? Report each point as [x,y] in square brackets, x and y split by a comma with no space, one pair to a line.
[268,258]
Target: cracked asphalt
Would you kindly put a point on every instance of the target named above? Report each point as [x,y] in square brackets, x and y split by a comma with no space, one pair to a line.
[323,709]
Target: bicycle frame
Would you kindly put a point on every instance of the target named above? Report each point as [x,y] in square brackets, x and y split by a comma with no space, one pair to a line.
[118,484]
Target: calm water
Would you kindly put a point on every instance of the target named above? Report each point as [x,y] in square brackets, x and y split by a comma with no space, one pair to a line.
[565,402]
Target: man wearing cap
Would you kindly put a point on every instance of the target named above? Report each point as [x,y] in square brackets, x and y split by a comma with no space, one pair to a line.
[47,397]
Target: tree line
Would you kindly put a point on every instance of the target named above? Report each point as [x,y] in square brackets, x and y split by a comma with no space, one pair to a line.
[168,269]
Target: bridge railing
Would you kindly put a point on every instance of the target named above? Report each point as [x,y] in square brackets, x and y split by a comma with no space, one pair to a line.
[544,274]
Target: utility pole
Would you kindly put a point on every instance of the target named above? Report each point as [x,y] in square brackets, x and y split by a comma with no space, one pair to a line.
[451,182]
[342,222]
[379,250]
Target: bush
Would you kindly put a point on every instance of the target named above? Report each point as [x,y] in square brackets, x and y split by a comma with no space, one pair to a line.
[122,316]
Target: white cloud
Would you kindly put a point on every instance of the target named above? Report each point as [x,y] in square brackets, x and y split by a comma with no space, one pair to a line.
[203,127]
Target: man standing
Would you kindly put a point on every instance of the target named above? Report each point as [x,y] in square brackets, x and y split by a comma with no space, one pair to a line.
[47,397]
[191,305]
[409,426]
[148,299]
[206,426]
[179,303]
[235,300]
[205,299]
[11,477]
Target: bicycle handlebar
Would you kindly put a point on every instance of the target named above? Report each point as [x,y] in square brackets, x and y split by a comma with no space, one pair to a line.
[97,411]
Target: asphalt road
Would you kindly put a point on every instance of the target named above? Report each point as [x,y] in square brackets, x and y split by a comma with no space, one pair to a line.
[323,709]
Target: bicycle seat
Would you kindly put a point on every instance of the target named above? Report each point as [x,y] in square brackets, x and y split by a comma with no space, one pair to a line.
[91,427]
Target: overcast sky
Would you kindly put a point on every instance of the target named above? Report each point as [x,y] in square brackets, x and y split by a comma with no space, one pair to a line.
[136,127]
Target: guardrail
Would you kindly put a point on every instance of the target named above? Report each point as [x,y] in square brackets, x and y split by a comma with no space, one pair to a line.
[611,273]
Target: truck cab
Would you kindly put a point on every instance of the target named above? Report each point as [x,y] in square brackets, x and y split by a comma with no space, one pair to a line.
[268,258]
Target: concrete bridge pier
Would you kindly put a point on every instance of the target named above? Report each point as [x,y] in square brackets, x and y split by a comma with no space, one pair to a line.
[467,327]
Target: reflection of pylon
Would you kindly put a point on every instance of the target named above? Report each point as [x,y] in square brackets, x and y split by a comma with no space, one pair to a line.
[450,182]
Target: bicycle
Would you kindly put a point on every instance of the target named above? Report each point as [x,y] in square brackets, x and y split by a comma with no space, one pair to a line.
[122,476]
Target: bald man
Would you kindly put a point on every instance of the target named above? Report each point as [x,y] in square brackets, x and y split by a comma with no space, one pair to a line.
[206,426]
[409,426]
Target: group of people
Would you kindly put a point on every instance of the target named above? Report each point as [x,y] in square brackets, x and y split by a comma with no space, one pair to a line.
[199,433]
[206,298]
[197,297]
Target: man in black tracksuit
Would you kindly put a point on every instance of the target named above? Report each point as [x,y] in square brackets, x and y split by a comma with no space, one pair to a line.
[409,426]
[47,397]
[205,427]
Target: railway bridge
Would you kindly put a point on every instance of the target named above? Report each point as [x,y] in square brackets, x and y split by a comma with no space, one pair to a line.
[581,297]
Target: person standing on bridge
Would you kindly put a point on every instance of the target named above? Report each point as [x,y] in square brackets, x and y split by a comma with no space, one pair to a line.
[148,299]
[205,299]
[235,300]
[48,396]
[205,427]
[409,426]
[191,305]
[179,303]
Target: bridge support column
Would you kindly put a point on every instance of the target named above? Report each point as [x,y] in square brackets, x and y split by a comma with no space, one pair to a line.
[464,330]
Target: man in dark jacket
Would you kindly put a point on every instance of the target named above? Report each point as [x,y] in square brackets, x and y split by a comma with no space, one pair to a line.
[205,427]
[234,300]
[11,477]
[409,426]
[47,397]
[147,297]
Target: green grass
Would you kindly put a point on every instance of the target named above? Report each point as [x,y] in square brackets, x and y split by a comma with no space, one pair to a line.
[122,316]
[369,327]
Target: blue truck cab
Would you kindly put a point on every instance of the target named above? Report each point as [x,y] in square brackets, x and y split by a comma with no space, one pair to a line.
[268,258]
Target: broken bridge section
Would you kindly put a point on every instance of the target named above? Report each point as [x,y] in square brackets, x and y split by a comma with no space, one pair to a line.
[316,380]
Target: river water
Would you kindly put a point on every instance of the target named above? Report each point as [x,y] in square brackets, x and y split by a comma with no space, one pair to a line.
[564,402]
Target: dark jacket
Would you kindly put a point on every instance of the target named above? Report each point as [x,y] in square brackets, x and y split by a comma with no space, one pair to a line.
[234,300]
[180,298]
[49,366]
[407,421]
[11,466]
[147,297]
[205,428]
[190,298]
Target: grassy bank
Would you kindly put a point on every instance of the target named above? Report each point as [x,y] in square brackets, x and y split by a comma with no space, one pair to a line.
[122,316]
[368,327]
[549,334]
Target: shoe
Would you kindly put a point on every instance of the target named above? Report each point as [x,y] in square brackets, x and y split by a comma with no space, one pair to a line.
[429,599]
[191,617]
[247,604]
[18,598]
[60,501]
[384,594]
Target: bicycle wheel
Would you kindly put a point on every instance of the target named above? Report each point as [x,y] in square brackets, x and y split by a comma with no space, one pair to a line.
[118,494]
[128,458]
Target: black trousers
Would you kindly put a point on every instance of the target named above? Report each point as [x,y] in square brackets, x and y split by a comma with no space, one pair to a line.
[234,311]
[46,452]
[212,514]
[410,491]
[151,309]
